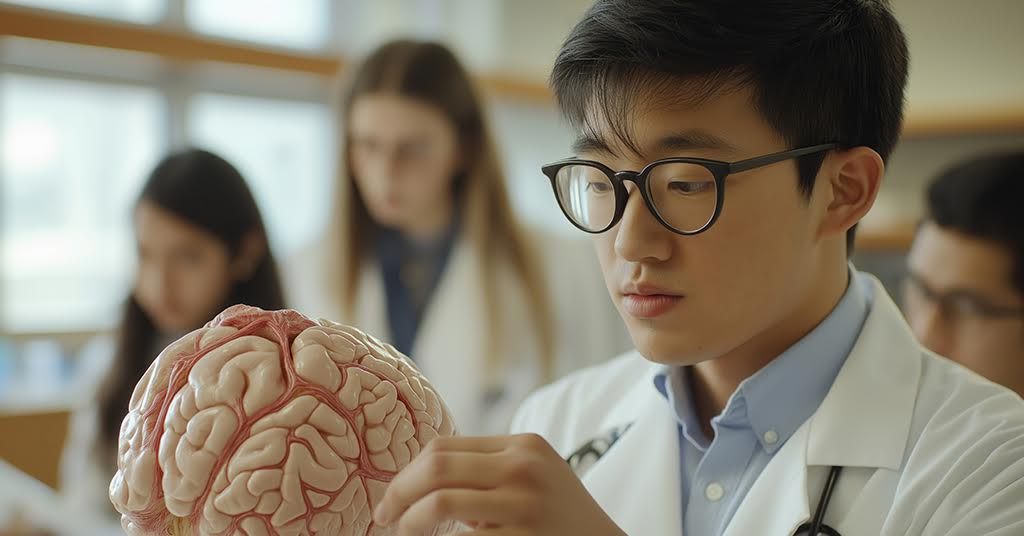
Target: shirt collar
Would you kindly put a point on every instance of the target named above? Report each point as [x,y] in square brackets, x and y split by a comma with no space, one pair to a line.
[673,384]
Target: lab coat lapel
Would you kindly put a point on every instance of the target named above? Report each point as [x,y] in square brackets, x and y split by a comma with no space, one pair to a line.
[637,479]
[450,337]
[370,309]
[777,503]
[863,423]
[865,419]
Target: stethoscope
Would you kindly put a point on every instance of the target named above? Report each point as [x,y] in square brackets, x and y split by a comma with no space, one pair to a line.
[817,524]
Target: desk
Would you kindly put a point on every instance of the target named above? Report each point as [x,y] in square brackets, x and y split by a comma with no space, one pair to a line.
[33,442]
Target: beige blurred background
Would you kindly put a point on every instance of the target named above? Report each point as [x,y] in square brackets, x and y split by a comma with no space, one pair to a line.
[94,92]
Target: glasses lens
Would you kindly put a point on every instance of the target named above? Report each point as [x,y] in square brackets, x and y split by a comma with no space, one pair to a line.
[587,196]
[685,195]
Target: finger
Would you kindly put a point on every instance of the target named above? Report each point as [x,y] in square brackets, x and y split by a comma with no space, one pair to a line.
[482,444]
[498,531]
[486,508]
[431,471]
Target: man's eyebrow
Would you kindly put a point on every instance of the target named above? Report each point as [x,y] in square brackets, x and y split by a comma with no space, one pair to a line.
[689,140]
[683,141]
[591,144]
[977,295]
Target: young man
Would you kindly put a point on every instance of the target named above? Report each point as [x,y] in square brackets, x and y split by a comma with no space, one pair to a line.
[727,150]
[964,295]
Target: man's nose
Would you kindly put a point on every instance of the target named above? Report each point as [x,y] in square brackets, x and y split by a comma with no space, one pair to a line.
[640,237]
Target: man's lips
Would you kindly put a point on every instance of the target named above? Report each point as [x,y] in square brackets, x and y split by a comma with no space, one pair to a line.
[648,301]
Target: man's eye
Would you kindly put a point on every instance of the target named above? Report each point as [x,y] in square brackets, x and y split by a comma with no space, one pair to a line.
[691,187]
[599,187]
[963,306]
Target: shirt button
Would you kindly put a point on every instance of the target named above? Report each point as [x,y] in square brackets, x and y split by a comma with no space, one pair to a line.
[770,437]
[714,492]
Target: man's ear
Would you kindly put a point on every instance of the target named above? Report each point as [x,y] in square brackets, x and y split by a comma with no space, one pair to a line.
[853,179]
[252,250]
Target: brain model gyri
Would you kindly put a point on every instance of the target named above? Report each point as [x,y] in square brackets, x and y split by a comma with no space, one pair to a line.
[267,423]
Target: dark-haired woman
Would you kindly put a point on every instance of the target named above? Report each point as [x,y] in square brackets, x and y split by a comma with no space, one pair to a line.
[201,247]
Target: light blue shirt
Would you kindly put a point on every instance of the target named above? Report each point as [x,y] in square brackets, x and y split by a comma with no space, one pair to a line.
[760,416]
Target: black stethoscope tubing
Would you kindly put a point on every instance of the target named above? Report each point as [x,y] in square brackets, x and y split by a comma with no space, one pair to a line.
[817,524]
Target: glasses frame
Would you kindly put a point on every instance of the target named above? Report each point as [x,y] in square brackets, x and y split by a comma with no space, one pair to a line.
[719,170]
[978,306]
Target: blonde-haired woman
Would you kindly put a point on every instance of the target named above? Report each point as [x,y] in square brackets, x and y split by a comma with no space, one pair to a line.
[426,252]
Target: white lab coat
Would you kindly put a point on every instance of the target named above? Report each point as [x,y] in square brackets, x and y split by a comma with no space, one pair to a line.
[84,473]
[450,343]
[928,447]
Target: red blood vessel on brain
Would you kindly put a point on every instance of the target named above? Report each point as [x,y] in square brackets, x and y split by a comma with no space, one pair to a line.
[265,423]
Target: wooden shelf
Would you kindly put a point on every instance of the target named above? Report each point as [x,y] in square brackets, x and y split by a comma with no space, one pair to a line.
[992,120]
[190,47]
[896,238]
[79,30]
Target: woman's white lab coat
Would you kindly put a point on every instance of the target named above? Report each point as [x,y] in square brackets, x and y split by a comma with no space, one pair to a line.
[928,447]
[84,471]
[451,341]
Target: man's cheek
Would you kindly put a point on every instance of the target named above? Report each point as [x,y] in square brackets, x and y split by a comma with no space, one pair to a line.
[606,257]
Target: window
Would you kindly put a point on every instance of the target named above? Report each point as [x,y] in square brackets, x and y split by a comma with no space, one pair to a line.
[530,135]
[303,24]
[74,155]
[138,11]
[285,149]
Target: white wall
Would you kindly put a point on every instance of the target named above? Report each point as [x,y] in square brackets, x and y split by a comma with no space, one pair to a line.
[963,55]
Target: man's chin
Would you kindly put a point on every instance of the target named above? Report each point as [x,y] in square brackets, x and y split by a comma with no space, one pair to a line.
[679,356]
[657,346]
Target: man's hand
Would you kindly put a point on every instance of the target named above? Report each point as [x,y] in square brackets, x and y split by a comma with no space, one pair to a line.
[500,486]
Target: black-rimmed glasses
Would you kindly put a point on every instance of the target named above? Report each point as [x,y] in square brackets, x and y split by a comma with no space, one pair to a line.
[955,305]
[684,194]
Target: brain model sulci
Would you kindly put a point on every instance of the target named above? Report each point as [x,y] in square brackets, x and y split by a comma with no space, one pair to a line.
[267,423]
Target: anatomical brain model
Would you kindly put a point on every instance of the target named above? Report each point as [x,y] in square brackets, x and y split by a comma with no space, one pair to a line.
[267,423]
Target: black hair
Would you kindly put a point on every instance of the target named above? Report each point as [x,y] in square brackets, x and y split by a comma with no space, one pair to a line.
[820,71]
[982,198]
[207,191]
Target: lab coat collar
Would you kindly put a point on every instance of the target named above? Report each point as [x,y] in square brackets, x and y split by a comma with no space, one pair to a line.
[864,421]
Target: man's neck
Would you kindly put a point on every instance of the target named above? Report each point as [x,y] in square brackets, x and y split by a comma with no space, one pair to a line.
[715,380]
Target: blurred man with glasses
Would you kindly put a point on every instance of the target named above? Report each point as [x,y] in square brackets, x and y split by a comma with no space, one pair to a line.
[964,292]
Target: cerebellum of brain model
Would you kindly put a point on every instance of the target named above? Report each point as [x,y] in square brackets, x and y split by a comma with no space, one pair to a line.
[266,423]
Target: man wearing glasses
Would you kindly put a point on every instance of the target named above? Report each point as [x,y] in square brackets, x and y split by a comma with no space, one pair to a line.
[964,294]
[726,151]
